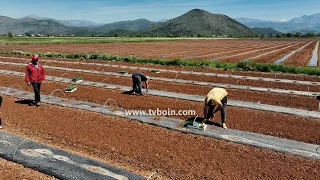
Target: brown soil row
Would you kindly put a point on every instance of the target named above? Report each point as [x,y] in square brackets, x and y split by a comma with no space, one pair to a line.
[227,52]
[169,53]
[245,82]
[126,49]
[13,171]
[273,57]
[306,103]
[224,51]
[300,77]
[275,124]
[249,55]
[302,57]
[141,148]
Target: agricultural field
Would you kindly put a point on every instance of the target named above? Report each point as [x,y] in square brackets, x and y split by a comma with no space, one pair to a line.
[294,52]
[273,119]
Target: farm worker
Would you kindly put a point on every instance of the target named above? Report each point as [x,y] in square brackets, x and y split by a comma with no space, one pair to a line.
[137,79]
[217,97]
[35,76]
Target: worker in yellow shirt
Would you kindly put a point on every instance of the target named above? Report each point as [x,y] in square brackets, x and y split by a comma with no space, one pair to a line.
[217,97]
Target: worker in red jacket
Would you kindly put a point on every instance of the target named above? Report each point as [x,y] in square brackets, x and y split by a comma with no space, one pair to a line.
[35,76]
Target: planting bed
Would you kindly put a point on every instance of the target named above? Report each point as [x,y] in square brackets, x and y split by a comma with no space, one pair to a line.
[232,51]
[300,77]
[141,148]
[276,124]
[308,103]
[201,78]
[148,49]
[248,54]
[273,57]
[10,170]
[302,57]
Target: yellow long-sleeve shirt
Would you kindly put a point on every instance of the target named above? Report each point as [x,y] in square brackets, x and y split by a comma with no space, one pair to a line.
[216,94]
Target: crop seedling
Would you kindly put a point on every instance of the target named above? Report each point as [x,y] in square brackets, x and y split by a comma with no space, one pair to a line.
[155,71]
[70,89]
[195,124]
[77,79]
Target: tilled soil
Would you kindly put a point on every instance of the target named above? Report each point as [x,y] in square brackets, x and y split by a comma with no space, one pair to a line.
[13,171]
[275,124]
[236,59]
[302,57]
[145,49]
[273,57]
[307,103]
[246,82]
[226,52]
[300,77]
[142,148]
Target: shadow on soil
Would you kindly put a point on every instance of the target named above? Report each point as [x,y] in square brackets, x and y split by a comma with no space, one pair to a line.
[29,102]
[128,92]
[131,93]
[200,119]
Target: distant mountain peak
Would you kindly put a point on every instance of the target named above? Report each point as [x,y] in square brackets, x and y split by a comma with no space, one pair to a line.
[199,22]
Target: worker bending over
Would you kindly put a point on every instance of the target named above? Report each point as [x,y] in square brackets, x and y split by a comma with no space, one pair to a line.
[137,79]
[217,97]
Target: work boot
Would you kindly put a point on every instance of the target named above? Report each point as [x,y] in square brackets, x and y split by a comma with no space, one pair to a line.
[224,126]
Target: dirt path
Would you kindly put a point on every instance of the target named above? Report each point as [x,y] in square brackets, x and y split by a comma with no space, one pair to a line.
[141,148]
[275,124]
[13,171]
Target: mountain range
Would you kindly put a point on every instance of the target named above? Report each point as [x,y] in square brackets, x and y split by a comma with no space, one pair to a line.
[301,24]
[193,23]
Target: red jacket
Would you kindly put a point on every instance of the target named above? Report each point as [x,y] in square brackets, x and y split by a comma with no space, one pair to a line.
[34,74]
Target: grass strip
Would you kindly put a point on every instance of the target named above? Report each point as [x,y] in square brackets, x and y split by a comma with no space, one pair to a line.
[241,66]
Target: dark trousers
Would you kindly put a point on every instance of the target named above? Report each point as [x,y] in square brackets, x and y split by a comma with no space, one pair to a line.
[223,110]
[36,88]
[136,84]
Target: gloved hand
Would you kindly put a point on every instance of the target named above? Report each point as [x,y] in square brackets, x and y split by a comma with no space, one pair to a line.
[29,83]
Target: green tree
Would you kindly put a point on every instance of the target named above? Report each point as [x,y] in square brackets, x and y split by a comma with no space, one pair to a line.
[278,36]
[297,34]
[28,34]
[311,34]
[289,35]
[10,35]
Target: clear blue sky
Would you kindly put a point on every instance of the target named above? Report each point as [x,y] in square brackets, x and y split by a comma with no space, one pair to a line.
[107,11]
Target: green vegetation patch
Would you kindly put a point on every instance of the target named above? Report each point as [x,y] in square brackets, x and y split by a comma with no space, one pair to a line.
[241,66]
[77,79]
[78,40]
[70,88]
[155,71]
